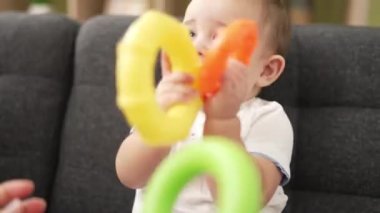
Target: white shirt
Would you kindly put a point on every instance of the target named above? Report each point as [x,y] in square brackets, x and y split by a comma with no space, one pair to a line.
[265,131]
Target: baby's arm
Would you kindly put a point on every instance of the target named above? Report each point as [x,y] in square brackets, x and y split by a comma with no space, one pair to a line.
[221,119]
[136,161]
[230,128]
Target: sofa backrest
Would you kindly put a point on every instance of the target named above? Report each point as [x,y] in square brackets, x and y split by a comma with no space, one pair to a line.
[35,78]
[94,128]
[331,91]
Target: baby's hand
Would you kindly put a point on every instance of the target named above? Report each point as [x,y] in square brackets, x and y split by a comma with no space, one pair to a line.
[175,87]
[233,92]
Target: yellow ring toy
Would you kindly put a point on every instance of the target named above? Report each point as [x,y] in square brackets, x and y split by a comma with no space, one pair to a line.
[136,55]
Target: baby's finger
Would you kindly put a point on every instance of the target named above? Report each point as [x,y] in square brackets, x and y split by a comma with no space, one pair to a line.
[234,64]
[33,205]
[13,207]
[175,88]
[166,66]
[170,83]
[15,189]
[175,98]
[236,71]
[178,78]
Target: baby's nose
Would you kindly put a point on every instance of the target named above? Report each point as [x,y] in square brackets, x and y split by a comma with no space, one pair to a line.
[202,51]
[201,55]
[201,47]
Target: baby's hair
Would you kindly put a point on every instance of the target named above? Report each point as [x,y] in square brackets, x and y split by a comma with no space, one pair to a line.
[275,16]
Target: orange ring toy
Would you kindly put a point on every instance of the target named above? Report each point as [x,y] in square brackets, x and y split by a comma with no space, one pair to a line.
[239,41]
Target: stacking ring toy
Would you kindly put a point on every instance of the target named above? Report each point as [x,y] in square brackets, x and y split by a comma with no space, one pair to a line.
[136,54]
[239,42]
[238,182]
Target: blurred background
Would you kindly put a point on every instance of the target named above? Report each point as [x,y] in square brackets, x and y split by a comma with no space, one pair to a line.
[349,12]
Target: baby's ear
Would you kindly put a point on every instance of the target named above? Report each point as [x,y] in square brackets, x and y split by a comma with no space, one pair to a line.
[272,70]
[166,66]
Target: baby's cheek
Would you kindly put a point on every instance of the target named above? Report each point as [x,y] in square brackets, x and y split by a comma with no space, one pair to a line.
[251,77]
[255,61]
[216,38]
[216,42]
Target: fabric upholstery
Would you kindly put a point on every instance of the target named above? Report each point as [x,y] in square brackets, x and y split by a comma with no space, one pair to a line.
[94,127]
[36,54]
[331,92]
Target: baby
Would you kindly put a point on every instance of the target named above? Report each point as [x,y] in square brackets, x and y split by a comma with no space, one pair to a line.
[260,127]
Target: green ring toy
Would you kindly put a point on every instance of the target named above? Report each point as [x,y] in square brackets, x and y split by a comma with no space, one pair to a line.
[238,182]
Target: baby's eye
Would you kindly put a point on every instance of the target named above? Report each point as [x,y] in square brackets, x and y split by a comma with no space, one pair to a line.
[214,36]
[192,34]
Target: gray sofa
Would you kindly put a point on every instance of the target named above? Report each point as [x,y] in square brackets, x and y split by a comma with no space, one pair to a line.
[60,127]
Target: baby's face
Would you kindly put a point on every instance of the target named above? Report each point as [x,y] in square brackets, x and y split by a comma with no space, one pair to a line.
[207,18]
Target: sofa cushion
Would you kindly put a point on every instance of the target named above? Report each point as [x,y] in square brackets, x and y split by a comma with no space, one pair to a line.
[94,127]
[35,78]
[317,202]
[330,89]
